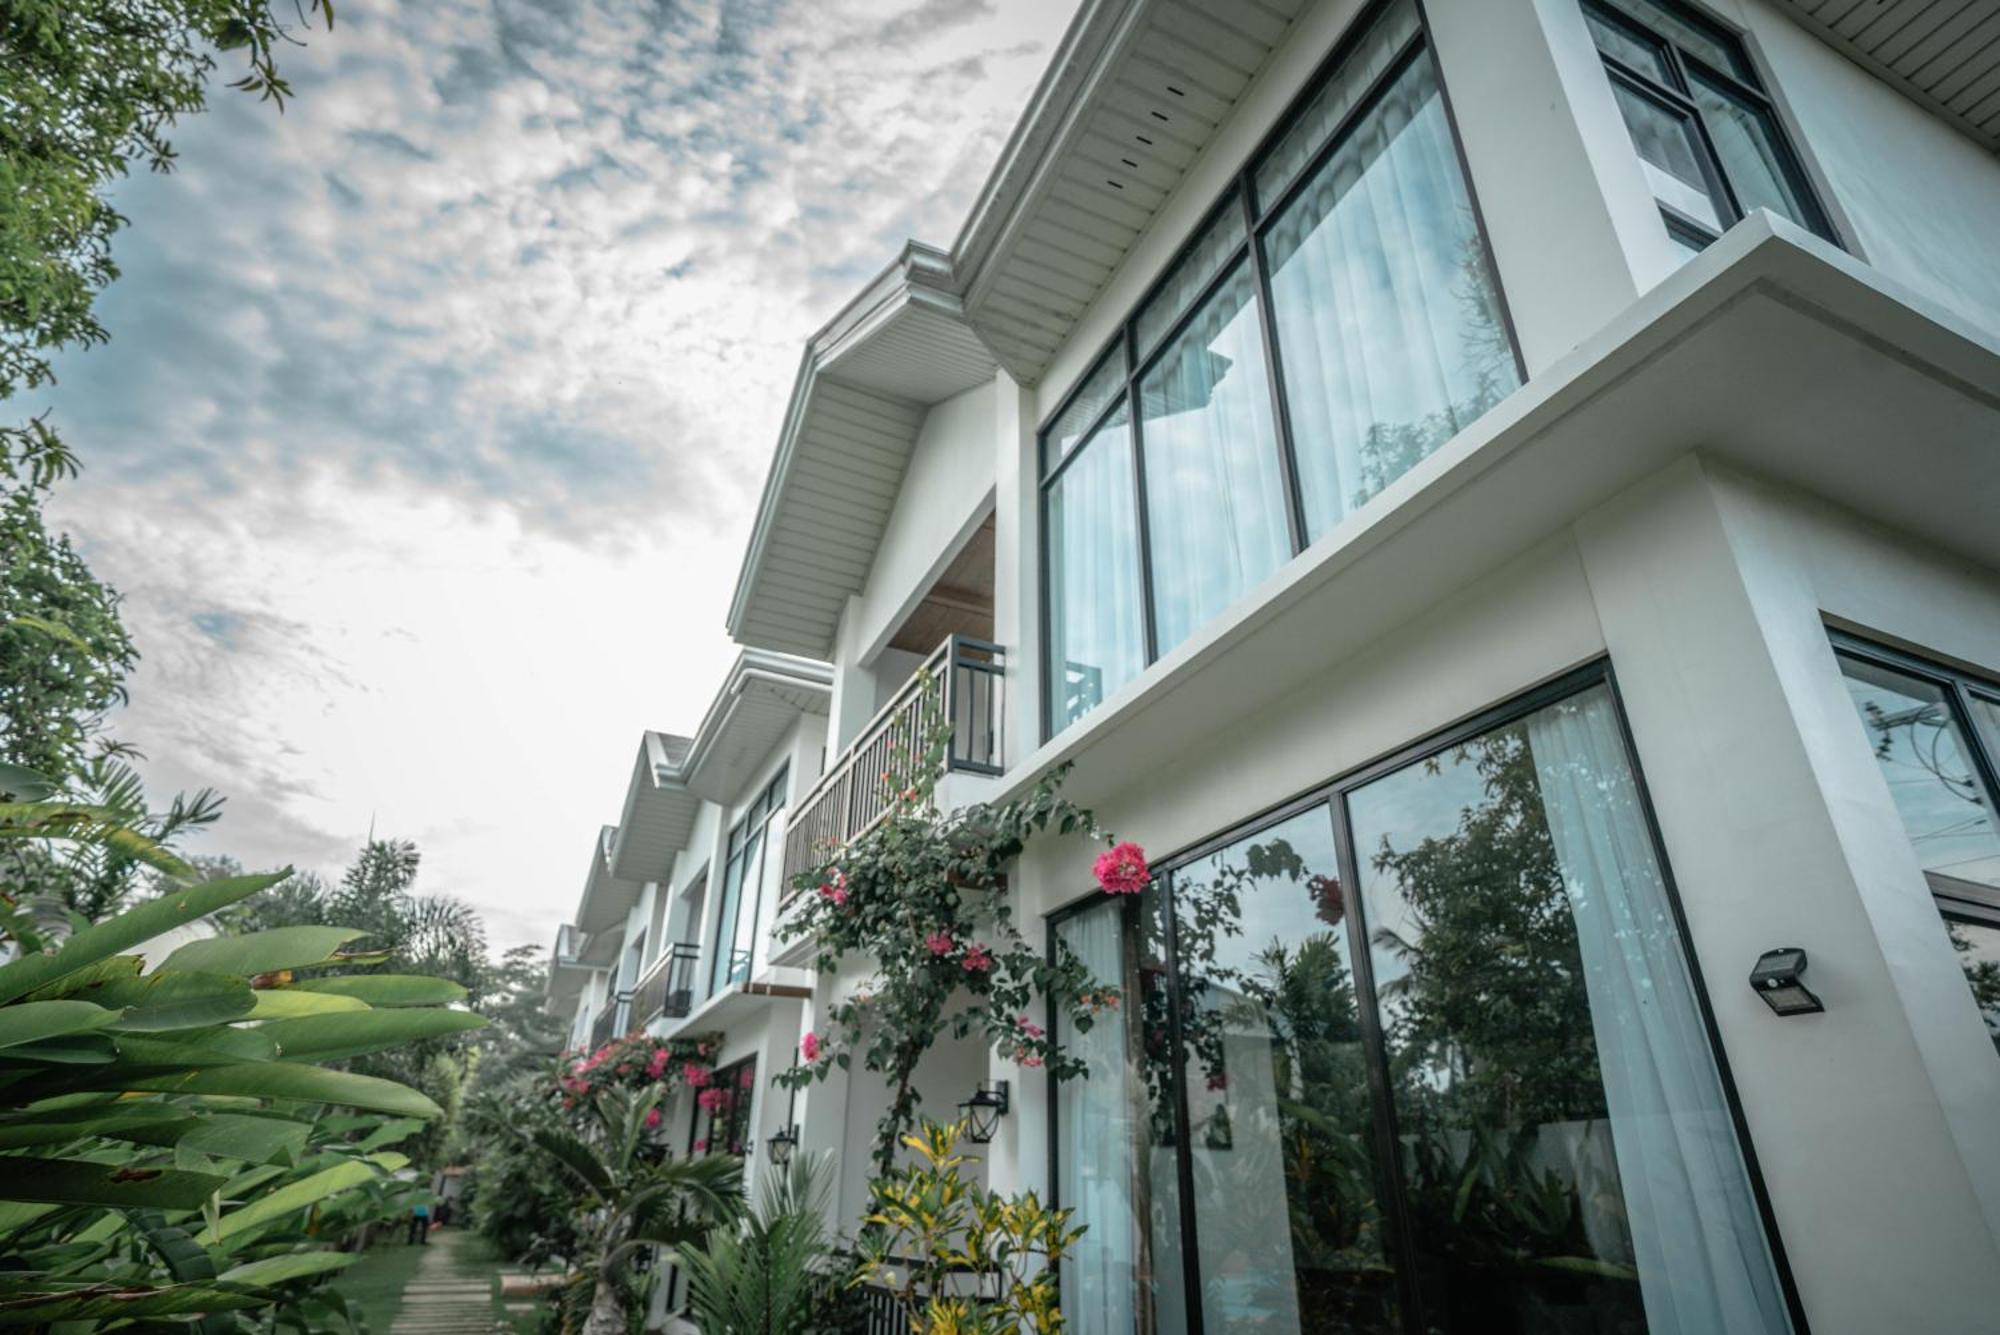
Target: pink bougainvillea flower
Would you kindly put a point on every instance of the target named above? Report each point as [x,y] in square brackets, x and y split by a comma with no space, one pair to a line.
[940,943]
[809,1046]
[748,1078]
[1219,1080]
[701,1147]
[695,1075]
[1030,1060]
[657,1065]
[977,959]
[1122,869]
[713,1100]
[653,1119]
[1029,1027]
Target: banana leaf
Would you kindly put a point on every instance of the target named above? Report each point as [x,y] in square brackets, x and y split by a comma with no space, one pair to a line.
[386,989]
[123,1186]
[261,952]
[321,1038]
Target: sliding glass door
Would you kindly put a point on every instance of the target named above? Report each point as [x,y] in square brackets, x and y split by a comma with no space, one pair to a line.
[1423,1053]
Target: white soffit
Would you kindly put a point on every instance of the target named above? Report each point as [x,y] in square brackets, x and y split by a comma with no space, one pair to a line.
[864,386]
[761,700]
[606,897]
[1944,54]
[1134,95]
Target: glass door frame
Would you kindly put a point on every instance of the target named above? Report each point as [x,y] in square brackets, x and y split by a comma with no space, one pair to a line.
[1398,1248]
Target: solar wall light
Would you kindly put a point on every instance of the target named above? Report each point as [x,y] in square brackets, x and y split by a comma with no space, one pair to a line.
[1779,979]
[983,1111]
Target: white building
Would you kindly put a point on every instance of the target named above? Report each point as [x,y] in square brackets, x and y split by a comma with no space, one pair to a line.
[1502,499]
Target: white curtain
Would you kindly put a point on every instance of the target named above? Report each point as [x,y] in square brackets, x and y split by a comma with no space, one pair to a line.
[1215,499]
[1704,1267]
[1388,326]
[1096,642]
[1096,1147]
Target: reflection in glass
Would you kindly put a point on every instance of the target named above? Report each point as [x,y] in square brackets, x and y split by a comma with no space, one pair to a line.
[1978,947]
[1215,501]
[1615,40]
[1115,1153]
[1669,153]
[1923,756]
[1204,258]
[1288,1222]
[1690,34]
[1096,640]
[1389,325]
[1335,100]
[1986,718]
[1569,1160]
[1103,385]
[1747,141]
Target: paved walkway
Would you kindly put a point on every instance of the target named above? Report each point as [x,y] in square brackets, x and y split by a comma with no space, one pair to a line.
[442,1299]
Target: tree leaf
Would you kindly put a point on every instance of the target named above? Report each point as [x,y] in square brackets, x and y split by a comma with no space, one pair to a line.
[251,1139]
[387,989]
[287,1080]
[261,952]
[298,1195]
[333,1037]
[174,999]
[133,927]
[32,1021]
[122,1186]
[217,1046]
[113,1302]
[292,1265]
[285,1003]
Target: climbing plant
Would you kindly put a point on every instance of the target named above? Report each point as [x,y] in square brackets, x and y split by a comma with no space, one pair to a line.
[923,898]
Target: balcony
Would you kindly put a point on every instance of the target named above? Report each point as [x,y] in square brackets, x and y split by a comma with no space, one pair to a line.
[667,991]
[959,685]
[606,1026]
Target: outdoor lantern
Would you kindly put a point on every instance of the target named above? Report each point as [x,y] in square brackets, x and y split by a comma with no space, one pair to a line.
[781,1145]
[1779,978]
[983,1111]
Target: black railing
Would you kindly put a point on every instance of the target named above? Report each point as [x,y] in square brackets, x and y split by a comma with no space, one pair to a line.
[605,1027]
[667,991]
[882,1312]
[960,685]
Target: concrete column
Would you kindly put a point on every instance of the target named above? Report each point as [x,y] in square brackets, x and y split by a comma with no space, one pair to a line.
[1779,833]
[1575,233]
[853,702]
[1017,518]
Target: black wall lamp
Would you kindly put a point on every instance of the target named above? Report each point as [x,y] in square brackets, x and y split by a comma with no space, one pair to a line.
[1779,978]
[783,1141]
[983,1111]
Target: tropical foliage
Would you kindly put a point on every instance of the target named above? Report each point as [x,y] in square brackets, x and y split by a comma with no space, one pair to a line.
[772,1274]
[922,899]
[960,1259]
[164,1122]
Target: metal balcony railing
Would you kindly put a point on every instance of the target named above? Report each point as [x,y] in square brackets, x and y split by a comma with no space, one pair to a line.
[959,685]
[667,990]
[605,1027]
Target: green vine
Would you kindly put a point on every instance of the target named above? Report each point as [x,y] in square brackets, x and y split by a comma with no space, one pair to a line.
[923,897]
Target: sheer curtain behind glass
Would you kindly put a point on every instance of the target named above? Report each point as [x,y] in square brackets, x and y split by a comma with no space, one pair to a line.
[1696,1235]
[1096,1154]
[1389,328]
[1215,500]
[1095,638]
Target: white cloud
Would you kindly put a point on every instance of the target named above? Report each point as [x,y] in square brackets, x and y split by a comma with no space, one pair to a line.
[436,408]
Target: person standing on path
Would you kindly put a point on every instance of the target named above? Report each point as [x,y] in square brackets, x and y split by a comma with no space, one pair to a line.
[420,1223]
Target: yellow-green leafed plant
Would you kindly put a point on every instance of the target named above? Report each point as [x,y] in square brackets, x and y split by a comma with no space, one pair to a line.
[960,1259]
[166,1145]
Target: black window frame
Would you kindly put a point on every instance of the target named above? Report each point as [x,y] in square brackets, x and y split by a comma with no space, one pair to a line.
[771,798]
[1957,899]
[1678,97]
[729,1076]
[1333,794]
[1240,192]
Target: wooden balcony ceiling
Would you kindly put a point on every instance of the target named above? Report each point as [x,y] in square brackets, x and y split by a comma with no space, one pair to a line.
[1943,54]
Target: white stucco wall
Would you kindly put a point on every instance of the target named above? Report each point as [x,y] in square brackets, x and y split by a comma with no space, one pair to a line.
[1923,200]
[946,493]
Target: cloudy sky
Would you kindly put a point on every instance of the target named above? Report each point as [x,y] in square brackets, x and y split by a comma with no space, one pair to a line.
[436,409]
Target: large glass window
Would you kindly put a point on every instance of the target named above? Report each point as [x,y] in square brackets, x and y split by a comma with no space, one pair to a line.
[1388,320]
[742,888]
[1332,322]
[1487,976]
[1936,736]
[1705,132]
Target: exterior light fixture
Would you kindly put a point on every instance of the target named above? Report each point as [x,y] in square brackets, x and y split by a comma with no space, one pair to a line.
[781,1144]
[1779,979]
[983,1111]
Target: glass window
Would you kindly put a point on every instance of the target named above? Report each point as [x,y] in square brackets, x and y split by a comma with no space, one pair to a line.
[1281,1134]
[1568,1157]
[722,1122]
[1978,947]
[1926,758]
[1205,258]
[1388,320]
[1700,120]
[742,889]
[1096,634]
[1116,1158]
[1355,223]
[1215,500]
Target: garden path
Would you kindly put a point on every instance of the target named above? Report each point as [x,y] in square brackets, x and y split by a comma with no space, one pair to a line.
[448,1295]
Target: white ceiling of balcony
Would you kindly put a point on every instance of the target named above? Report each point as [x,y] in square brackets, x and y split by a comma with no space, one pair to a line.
[607,898]
[1131,100]
[1943,53]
